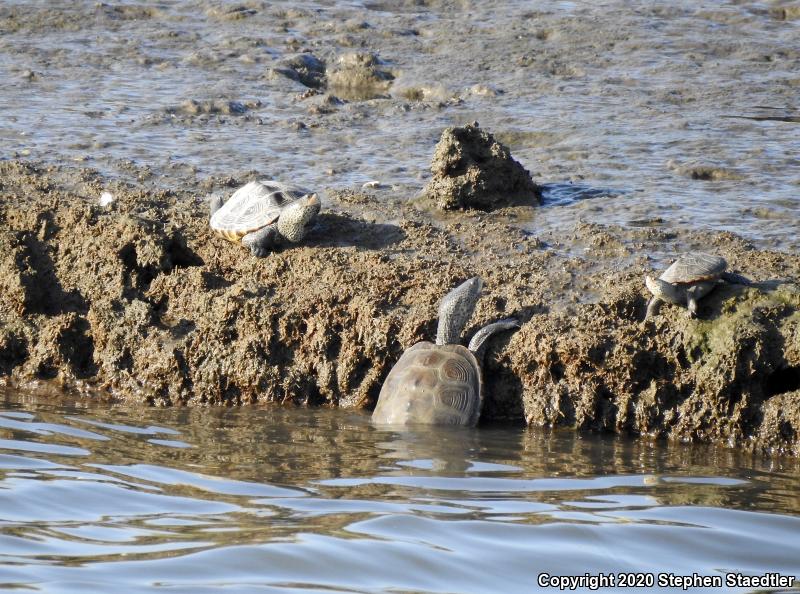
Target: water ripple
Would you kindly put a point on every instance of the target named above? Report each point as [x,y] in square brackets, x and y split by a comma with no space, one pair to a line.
[318,501]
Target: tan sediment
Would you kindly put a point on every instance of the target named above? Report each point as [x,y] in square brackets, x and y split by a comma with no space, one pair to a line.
[143,301]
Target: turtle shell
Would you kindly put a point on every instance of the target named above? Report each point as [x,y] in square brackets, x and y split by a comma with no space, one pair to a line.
[253,207]
[432,384]
[694,267]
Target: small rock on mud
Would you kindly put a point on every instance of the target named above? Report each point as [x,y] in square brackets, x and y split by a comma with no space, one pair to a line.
[214,106]
[306,69]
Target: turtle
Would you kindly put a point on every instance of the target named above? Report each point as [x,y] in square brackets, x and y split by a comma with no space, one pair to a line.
[264,214]
[441,384]
[689,278]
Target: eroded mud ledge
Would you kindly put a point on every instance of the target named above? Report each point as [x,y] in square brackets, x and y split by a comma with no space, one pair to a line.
[141,301]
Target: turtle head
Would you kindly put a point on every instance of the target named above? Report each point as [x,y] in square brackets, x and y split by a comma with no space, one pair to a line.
[455,309]
[294,221]
[669,292]
[651,284]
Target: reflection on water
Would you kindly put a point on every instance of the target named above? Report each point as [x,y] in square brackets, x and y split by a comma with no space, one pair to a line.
[94,497]
[565,194]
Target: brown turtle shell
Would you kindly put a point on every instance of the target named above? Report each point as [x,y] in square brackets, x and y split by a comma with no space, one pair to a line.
[253,207]
[693,268]
[432,384]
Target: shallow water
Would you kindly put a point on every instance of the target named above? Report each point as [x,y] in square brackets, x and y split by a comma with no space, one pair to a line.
[689,112]
[100,497]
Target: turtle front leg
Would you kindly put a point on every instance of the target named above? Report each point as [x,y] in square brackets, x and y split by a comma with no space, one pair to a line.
[652,307]
[481,338]
[215,204]
[261,242]
[691,305]
[696,292]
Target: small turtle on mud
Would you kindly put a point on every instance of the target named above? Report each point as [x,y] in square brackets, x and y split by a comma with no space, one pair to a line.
[264,214]
[691,277]
[441,383]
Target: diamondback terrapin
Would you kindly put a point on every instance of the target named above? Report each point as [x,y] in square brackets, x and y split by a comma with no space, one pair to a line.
[264,214]
[690,278]
[441,383]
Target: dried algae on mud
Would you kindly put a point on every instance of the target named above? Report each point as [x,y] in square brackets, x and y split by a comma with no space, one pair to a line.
[142,301]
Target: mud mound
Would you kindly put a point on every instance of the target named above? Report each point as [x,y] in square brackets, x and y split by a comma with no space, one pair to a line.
[359,75]
[473,170]
[356,75]
[140,300]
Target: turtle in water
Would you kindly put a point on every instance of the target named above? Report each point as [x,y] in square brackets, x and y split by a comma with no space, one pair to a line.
[691,277]
[441,383]
[264,214]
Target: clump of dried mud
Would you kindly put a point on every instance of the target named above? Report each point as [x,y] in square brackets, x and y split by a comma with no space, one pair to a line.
[141,301]
[359,74]
[473,170]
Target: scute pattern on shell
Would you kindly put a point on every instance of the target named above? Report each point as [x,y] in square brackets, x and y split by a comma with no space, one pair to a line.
[694,267]
[253,207]
[432,384]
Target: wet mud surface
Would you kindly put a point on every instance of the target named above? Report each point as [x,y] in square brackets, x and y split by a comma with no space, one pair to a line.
[139,300]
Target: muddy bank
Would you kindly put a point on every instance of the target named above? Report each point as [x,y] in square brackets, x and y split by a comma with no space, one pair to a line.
[141,301]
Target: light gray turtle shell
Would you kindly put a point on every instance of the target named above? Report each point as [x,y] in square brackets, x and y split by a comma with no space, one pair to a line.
[694,267]
[253,207]
[432,384]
